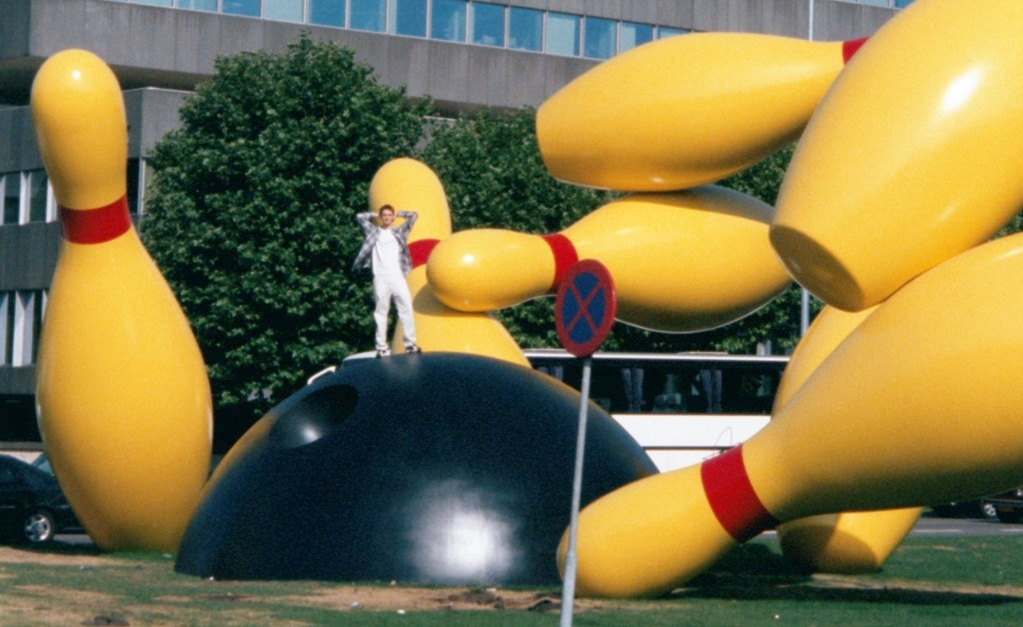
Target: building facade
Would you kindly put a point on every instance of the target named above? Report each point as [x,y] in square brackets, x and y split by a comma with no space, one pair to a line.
[464,54]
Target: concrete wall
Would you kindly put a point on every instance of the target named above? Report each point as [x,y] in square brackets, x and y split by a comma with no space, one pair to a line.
[173,48]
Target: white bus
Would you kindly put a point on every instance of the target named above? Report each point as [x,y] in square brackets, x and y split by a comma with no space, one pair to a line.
[682,408]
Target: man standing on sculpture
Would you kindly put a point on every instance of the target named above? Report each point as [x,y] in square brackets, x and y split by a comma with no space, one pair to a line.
[386,252]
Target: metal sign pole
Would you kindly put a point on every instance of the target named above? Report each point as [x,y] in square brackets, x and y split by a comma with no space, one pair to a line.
[584,311]
[568,588]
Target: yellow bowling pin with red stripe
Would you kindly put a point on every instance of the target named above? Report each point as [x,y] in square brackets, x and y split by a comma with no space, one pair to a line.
[914,407]
[685,111]
[122,391]
[409,184]
[908,163]
[849,542]
[688,261]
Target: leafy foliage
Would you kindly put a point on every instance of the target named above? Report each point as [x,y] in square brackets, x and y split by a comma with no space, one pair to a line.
[251,215]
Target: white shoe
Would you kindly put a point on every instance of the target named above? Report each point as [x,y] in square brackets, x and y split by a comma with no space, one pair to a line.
[383,352]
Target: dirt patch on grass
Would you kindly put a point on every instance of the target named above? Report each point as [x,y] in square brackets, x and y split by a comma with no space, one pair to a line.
[405,598]
[12,555]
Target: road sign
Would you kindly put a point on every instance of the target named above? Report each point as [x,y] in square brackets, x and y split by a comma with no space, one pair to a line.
[585,307]
[583,313]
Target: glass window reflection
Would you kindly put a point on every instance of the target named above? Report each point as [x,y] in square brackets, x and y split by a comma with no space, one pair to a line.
[665,31]
[284,10]
[198,5]
[133,185]
[601,38]
[369,15]
[447,20]
[487,24]
[525,29]
[327,12]
[634,35]
[249,8]
[12,197]
[563,34]
[37,196]
[408,17]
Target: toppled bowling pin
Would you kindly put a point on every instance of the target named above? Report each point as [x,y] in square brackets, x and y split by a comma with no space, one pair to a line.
[409,184]
[914,407]
[849,542]
[681,262]
[123,397]
[685,111]
[906,164]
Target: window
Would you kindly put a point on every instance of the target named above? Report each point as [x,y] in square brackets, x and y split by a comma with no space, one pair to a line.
[408,17]
[634,35]
[11,197]
[198,5]
[27,321]
[368,15]
[563,34]
[6,327]
[678,384]
[665,32]
[525,29]
[327,12]
[248,8]
[158,3]
[601,36]
[447,20]
[38,202]
[487,24]
[133,185]
[284,10]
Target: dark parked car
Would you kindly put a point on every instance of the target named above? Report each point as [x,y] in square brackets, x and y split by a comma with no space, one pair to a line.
[979,508]
[32,507]
[1008,505]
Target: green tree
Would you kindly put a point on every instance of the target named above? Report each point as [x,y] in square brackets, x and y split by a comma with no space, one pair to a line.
[492,170]
[251,215]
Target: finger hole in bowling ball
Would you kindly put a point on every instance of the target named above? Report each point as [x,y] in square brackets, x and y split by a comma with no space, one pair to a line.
[316,416]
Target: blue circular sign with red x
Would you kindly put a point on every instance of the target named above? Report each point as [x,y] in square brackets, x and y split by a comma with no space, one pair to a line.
[585,307]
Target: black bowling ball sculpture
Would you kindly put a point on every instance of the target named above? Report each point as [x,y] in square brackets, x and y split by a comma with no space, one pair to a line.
[440,468]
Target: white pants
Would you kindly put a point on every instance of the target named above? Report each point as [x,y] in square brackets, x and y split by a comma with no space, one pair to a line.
[386,287]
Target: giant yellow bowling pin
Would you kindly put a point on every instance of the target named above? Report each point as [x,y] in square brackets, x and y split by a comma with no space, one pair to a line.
[123,396]
[685,111]
[681,262]
[916,406]
[409,184]
[849,542]
[908,163]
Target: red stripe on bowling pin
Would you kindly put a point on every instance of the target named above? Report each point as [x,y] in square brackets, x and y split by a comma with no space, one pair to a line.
[420,251]
[565,256]
[731,496]
[95,226]
[850,47]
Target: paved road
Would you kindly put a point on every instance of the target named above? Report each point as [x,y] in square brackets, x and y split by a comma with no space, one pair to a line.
[932,526]
[935,526]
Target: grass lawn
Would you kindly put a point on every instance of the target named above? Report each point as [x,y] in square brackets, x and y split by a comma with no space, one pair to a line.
[960,581]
